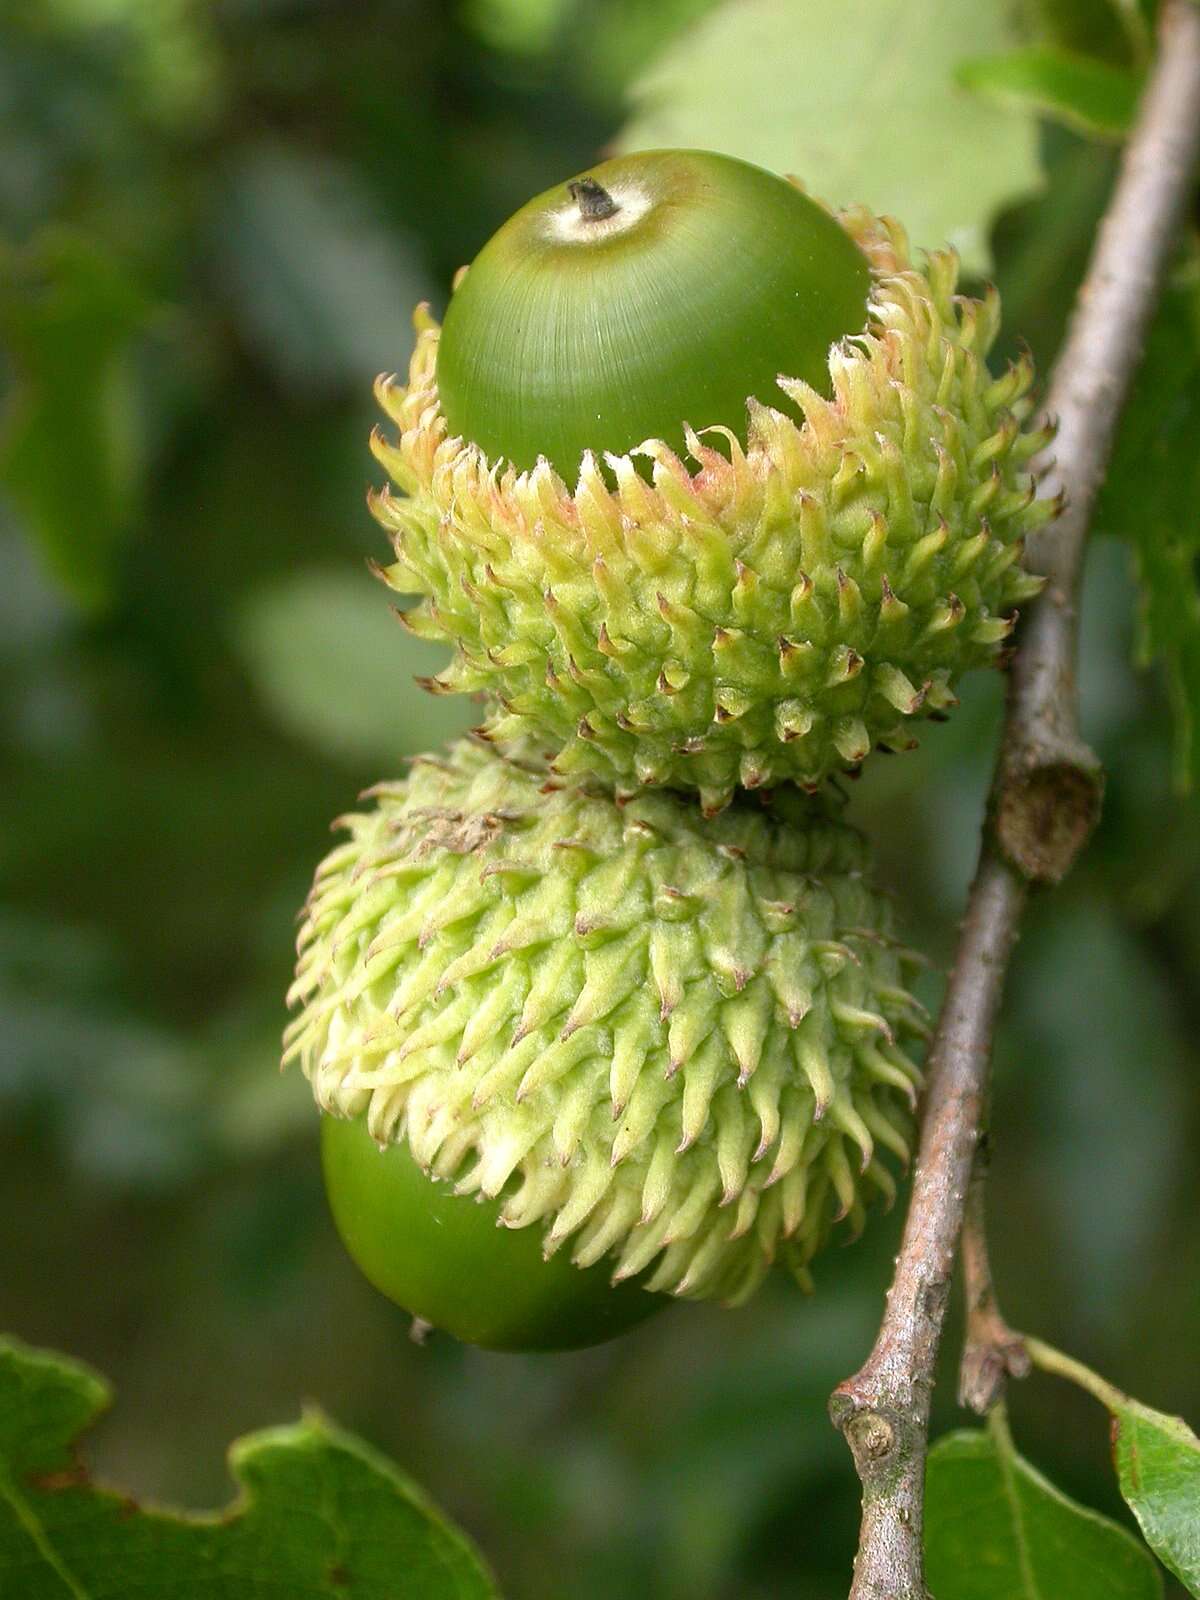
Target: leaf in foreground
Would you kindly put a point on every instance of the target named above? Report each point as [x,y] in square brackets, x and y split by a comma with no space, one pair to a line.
[1157,1458]
[997,1530]
[856,97]
[318,1514]
[1158,1464]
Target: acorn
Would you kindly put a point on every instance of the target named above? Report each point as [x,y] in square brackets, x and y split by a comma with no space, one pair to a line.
[611,308]
[675,1049]
[706,486]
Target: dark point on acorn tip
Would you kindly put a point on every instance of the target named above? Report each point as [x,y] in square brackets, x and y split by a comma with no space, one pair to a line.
[593,199]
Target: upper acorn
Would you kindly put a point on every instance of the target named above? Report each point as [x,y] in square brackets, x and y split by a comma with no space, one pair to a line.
[823,525]
[655,290]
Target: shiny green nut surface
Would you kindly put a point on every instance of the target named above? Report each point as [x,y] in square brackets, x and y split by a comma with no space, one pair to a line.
[654,290]
[442,1257]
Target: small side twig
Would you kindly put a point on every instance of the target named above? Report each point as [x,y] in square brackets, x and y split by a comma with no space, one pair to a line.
[1046,1358]
[992,1351]
[1045,800]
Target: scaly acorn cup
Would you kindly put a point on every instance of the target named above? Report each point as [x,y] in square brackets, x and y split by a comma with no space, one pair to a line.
[674,1046]
[795,574]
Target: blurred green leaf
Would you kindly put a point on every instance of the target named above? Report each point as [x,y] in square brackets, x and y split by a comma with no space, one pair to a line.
[520,27]
[318,1513]
[856,97]
[1042,245]
[335,667]
[167,51]
[615,39]
[1149,498]
[1112,30]
[323,284]
[995,1529]
[71,440]
[1078,91]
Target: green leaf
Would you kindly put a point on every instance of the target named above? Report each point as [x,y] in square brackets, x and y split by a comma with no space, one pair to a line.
[1157,1458]
[332,663]
[1149,499]
[858,99]
[318,1514]
[71,440]
[1158,1466]
[995,1529]
[1078,91]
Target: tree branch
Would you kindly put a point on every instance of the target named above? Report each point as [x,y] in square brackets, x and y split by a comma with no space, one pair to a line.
[1049,782]
[1045,801]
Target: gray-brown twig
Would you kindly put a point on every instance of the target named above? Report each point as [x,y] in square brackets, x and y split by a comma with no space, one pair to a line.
[1045,801]
[992,1351]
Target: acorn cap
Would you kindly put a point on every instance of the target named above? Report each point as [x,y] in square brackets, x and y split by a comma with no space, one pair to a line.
[674,1045]
[762,610]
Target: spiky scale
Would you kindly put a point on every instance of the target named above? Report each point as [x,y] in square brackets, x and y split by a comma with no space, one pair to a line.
[654,1020]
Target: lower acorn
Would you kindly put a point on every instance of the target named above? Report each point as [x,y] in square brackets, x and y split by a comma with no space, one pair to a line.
[668,1049]
[442,1256]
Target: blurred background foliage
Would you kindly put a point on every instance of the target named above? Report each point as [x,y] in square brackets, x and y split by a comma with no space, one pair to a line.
[214,221]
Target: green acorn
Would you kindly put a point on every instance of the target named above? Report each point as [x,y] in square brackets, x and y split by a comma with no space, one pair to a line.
[605,311]
[447,1259]
[802,567]
[674,1046]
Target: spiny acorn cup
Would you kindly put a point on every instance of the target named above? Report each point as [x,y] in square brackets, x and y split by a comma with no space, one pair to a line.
[673,1045]
[739,581]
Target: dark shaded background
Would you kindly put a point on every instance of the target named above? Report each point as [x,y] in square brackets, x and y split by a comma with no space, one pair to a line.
[214,222]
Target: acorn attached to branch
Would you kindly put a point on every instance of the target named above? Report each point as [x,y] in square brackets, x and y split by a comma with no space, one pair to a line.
[710,491]
[673,1049]
[707,487]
